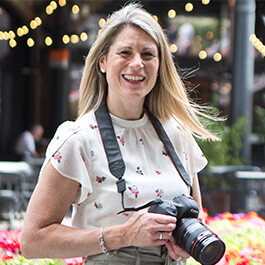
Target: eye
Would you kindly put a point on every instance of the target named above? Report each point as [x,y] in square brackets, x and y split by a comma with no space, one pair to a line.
[147,55]
[124,53]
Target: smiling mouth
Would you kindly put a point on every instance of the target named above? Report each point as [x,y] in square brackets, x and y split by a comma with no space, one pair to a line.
[133,78]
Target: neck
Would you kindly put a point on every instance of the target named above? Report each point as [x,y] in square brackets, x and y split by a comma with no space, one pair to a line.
[126,110]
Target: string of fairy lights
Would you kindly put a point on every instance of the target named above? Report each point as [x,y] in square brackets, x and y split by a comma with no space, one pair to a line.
[36,22]
[13,34]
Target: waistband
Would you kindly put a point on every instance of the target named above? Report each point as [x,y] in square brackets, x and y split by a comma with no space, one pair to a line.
[135,256]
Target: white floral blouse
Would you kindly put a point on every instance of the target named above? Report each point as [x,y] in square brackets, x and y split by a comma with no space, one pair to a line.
[77,152]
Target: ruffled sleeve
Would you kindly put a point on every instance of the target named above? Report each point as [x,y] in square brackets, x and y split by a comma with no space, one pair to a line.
[186,147]
[195,156]
[67,153]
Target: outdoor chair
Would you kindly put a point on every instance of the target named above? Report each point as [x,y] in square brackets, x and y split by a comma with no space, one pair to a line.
[16,186]
[9,196]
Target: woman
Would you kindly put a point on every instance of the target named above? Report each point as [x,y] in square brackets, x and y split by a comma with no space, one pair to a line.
[131,69]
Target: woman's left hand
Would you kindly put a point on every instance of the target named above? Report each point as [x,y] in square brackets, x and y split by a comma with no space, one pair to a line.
[174,251]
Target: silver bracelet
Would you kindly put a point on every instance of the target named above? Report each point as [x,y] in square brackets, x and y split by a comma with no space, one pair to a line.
[103,247]
[102,242]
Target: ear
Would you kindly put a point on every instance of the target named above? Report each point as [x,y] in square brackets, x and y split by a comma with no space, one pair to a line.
[102,63]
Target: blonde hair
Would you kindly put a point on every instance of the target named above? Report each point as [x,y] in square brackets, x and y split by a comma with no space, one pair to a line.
[167,99]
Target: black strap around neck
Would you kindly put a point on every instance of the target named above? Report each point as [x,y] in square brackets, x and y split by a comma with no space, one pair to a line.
[112,149]
[114,156]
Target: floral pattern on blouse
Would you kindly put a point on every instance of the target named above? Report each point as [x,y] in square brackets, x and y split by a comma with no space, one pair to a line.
[150,172]
[164,153]
[159,192]
[93,126]
[179,128]
[92,153]
[121,139]
[57,156]
[100,179]
[98,205]
[134,190]
[139,171]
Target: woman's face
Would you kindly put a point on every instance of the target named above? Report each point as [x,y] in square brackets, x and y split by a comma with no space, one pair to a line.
[131,66]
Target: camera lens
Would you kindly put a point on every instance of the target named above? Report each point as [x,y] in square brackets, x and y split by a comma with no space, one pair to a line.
[209,250]
[199,241]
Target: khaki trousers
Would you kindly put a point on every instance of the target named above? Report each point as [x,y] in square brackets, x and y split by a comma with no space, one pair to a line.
[156,255]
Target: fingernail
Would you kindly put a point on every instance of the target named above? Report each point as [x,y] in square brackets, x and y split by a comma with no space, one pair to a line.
[167,244]
[175,247]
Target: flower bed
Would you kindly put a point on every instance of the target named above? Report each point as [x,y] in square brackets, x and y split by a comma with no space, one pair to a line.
[243,234]
[244,237]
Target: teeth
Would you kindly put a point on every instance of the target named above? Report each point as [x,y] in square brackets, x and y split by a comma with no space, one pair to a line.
[134,77]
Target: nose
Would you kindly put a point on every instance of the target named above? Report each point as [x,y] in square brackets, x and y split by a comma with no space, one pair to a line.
[137,61]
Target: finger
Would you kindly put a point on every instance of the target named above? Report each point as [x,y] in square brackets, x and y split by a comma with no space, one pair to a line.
[171,251]
[160,218]
[176,251]
[161,223]
[180,252]
[164,219]
[201,217]
[162,235]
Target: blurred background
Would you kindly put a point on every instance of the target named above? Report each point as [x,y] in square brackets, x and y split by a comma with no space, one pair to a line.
[218,47]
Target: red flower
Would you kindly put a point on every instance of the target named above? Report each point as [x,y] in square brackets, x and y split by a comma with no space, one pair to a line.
[74,261]
[9,241]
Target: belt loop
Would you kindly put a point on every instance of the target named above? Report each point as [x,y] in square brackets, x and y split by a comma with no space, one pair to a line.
[138,254]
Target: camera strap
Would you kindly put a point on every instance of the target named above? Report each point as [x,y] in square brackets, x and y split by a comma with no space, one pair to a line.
[170,149]
[114,156]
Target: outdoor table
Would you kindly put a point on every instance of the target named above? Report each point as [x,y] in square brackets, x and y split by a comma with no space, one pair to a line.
[250,175]
[10,167]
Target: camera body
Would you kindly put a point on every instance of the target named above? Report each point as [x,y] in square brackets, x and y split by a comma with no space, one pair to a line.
[181,206]
[190,233]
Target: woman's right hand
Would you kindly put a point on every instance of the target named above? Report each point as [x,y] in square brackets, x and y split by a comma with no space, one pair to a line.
[148,229]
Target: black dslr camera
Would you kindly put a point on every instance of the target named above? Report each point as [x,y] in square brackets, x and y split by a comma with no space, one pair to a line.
[190,233]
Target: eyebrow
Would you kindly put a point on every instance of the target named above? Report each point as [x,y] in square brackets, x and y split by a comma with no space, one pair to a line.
[150,48]
[124,47]
[144,49]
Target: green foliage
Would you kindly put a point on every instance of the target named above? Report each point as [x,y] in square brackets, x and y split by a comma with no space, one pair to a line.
[227,151]
[259,120]
[223,153]
[20,260]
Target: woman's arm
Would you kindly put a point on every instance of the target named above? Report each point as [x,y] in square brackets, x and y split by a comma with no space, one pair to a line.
[44,236]
[197,196]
